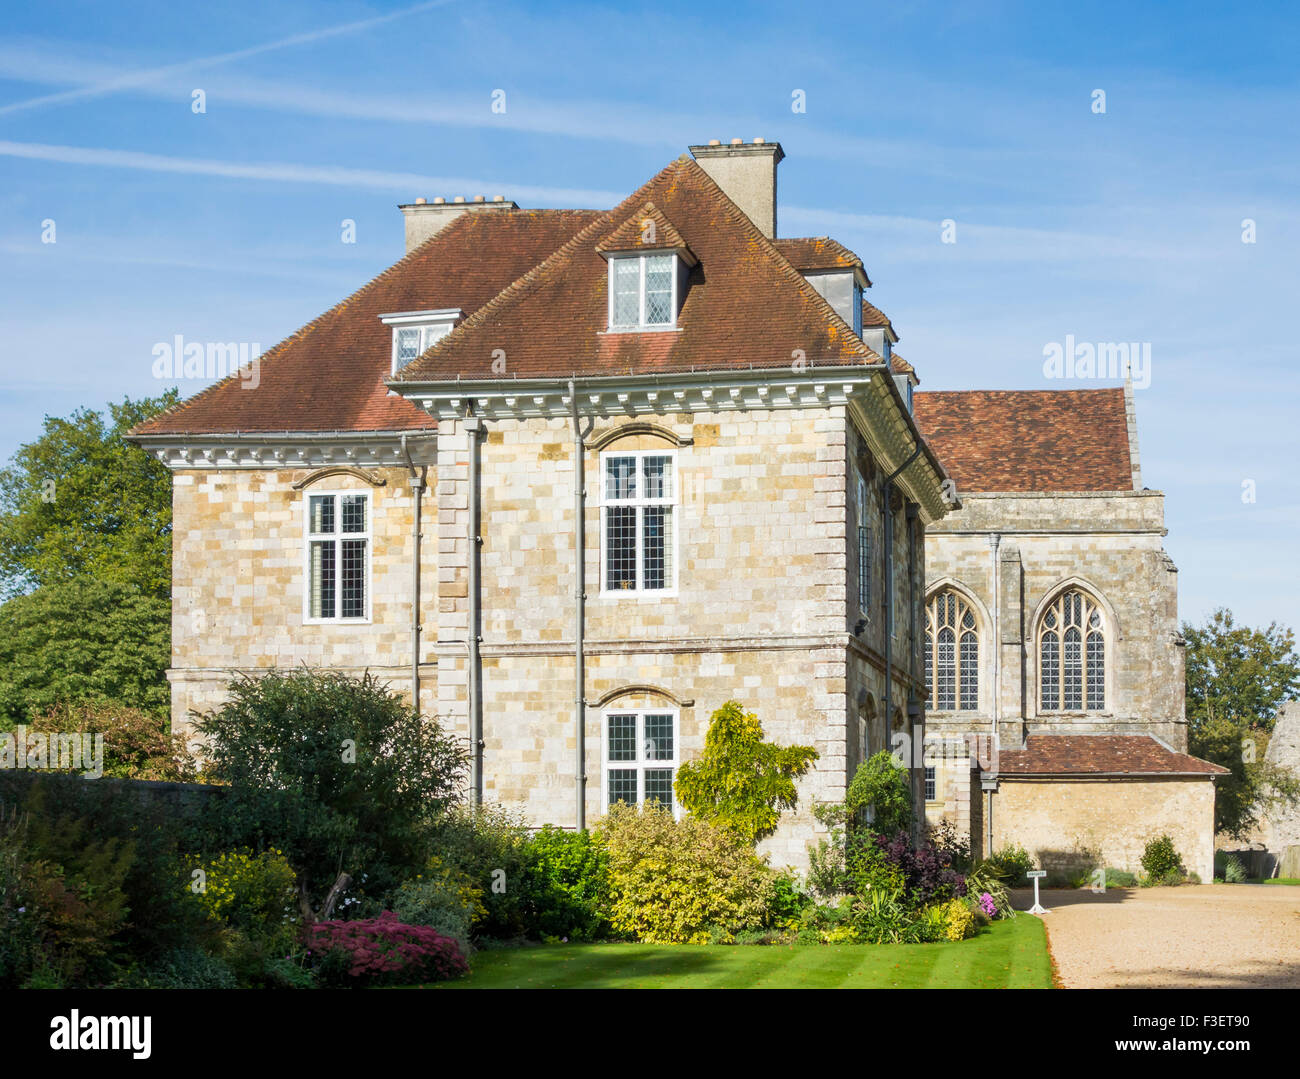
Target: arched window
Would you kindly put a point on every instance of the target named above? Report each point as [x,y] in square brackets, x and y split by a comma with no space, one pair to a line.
[1072,654]
[952,653]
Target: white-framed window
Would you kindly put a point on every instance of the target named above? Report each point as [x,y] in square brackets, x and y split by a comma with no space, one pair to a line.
[931,782]
[864,549]
[640,757]
[643,292]
[415,332]
[638,525]
[337,556]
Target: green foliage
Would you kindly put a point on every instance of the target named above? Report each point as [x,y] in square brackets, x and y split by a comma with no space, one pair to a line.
[488,847]
[882,917]
[137,744]
[741,783]
[1120,878]
[1237,678]
[570,884]
[84,640]
[880,796]
[1160,858]
[71,891]
[338,772]
[1012,863]
[79,502]
[185,968]
[678,881]
[986,878]
[444,898]
[251,895]
[1229,868]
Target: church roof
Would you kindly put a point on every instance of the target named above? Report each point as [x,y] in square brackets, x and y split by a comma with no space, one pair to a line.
[1100,755]
[1029,440]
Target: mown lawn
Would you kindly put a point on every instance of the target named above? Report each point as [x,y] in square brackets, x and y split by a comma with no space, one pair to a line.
[1007,955]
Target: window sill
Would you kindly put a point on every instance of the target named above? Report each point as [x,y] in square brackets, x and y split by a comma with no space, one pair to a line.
[622,330]
[628,593]
[338,621]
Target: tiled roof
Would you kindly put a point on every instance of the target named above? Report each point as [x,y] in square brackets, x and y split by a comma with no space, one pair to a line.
[645,230]
[900,366]
[873,316]
[329,375]
[807,254]
[1029,440]
[745,305]
[1100,754]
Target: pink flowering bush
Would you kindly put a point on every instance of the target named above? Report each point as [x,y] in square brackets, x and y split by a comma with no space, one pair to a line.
[382,950]
[987,905]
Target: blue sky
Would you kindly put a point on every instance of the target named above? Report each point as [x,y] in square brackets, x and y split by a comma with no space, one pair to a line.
[1117,226]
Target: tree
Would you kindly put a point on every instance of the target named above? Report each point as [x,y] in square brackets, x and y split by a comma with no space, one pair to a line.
[79,501]
[1237,678]
[338,772]
[84,641]
[742,783]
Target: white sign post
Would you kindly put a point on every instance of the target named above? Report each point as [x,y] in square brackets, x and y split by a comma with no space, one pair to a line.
[1036,874]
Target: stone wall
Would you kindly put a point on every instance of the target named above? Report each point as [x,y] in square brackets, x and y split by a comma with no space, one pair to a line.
[238,569]
[1111,545]
[1057,819]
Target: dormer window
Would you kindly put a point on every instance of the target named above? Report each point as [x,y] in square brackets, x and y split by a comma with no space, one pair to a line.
[643,291]
[415,332]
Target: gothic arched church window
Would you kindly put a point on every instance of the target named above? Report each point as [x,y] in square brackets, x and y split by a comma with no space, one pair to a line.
[1072,654]
[952,653]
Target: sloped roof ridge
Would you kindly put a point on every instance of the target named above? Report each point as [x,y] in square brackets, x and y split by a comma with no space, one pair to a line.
[670,236]
[587,235]
[305,330]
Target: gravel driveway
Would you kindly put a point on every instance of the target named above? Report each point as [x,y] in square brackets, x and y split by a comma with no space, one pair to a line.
[1193,936]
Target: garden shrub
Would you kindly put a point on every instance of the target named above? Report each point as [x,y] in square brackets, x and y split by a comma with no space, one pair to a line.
[185,968]
[740,782]
[381,951]
[880,796]
[340,773]
[489,846]
[1233,871]
[927,873]
[985,889]
[1160,860]
[882,917]
[137,744]
[442,898]
[1013,863]
[673,882]
[959,920]
[1120,878]
[252,898]
[569,892]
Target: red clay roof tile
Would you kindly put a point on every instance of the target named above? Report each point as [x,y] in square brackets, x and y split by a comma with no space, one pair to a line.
[1100,754]
[745,305]
[329,375]
[1029,440]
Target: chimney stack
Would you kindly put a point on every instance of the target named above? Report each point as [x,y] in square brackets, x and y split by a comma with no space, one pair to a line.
[426,219]
[746,172]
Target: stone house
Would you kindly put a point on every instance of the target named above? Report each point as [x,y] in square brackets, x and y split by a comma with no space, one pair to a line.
[575,478]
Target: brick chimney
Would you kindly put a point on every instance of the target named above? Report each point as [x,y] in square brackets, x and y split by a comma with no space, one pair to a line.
[425,219]
[746,172]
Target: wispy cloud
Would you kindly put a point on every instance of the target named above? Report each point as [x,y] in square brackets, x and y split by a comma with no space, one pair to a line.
[285,172]
[137,79]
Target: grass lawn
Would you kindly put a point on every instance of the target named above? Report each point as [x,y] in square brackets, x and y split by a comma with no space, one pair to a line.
[1282,880]
[1006,955]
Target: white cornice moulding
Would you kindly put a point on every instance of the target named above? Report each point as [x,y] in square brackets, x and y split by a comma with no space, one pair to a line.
[302,450]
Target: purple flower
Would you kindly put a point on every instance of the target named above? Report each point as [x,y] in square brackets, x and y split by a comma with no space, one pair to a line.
[987,905]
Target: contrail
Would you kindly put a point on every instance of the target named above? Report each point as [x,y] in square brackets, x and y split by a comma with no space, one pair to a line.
[140,78]
[286,172]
